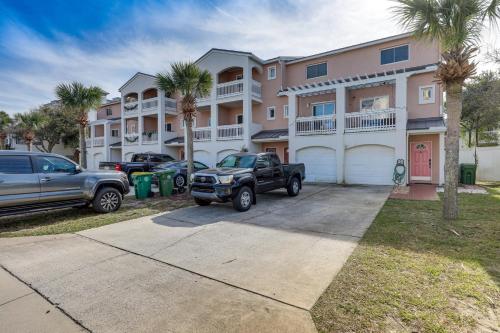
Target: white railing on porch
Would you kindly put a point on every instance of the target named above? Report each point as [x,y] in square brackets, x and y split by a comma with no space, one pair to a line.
[170,104]
[315,125]
[256,89]
[229,132]
[114,139]
[202,134]
[150,104]
[149,136]
[370,121]
[98,141]
[230,88]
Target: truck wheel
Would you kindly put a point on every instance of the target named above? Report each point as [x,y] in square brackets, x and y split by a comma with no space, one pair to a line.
[243,200]
[107,200]
[201,202]
[179,181]
[293,188]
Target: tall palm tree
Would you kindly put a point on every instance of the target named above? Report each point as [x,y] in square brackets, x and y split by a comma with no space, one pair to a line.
[456,25]
[26,124]
[78,100]
[5,122]
[189,81]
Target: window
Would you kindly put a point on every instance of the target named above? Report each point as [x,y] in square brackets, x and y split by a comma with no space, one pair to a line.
[239,119]
[115,133]
[237,161]
[270,150]
[275,160]
[323,109]
[199,166]
[51,164]
[394,54]
[271,72]
[426,94]
[374,103]
[160,158]
[168,127]
[15,164]
[263,162]
[209,122]
[271,113]
[316,70]
[109,112]
[285,111]
[238,77]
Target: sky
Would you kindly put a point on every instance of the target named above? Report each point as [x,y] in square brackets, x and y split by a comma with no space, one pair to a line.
[105,42]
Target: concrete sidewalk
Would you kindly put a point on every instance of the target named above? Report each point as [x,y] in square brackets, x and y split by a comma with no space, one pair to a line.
[24,310]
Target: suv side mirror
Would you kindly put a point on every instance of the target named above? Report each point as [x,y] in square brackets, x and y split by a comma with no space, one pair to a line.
[78,169]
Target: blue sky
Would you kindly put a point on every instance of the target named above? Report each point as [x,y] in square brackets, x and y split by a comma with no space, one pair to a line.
[104,42]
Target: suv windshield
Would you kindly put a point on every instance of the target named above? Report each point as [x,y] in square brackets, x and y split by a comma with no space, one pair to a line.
[236,161]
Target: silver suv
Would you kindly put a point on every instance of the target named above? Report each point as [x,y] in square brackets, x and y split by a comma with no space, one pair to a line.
[31,181]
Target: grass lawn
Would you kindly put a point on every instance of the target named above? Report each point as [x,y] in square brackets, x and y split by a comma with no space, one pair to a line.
[413,272]
[73,220]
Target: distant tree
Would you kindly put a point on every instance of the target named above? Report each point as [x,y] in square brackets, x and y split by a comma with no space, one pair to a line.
[456,25]
[5,122]
[26,125]
[58,127]
[481,105]
[188,80]
[78,100]
[494,56]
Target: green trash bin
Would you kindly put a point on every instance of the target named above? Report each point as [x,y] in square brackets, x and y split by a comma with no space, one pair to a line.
[142,184]
[468,174]
[166,181]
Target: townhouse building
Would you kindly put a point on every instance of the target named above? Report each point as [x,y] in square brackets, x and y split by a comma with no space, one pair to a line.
[349,114]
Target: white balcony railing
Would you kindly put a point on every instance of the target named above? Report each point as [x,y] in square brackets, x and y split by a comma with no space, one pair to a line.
[315,125]
[370,121]
[170,105]
[149,136]
[231,88]
[202,134]
[150,104]
[114,139]
[98,141]
[229,132]
[131,139]
[256,89]
[130,107]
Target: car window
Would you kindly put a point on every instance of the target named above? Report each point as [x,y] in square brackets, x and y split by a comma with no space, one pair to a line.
[263,162]
[167,165]
[52,164]
[166,158]
[140,158]
[235,161]
[199,165]
[183,165]
[15,164]
[275,160]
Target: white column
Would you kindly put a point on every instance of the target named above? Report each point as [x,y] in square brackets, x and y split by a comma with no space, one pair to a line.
[214,119]
[441,158]
[161,121]
[292,115]
[122,128]
[247,105]
[140,119]
[107,134]
[401,142]
[340,105]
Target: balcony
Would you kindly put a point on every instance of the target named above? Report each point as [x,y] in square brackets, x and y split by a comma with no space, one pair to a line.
[370,121]
[202,134]
[149,137]
[256,89]
[130,108]
[230,132]
[231,88]
[150,104]
[170,105]
[98,141]
[315,125]
[131,139]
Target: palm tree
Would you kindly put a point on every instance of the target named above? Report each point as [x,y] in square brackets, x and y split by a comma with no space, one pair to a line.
[78,100]
[5,122]
[26,124]
[456,25]
[189,81]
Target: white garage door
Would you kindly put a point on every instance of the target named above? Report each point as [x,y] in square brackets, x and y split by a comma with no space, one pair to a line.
[203,156]
[369,164]
[320,162]
[224,153]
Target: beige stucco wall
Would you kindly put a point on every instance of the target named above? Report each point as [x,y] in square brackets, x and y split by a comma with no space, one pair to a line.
[99,130]
[355,96]
[227,115]
[229,75]
[115,109]
[202,117]
[150,124]
[280,148]
[434,139]
[416,110]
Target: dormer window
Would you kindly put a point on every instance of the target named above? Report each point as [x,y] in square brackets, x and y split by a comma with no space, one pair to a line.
[394,54]
[316,70]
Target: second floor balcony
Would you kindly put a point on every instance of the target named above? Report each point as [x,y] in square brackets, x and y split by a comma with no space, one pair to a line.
[230,132]
[202,134]
[236,88]
[150,136]
[150,104]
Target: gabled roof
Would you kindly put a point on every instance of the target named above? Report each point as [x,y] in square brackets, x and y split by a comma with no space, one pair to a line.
[133,77]
[216,50]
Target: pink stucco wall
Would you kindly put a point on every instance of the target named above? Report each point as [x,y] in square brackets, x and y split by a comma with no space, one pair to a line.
[280,148]
[227,115]
[99,130]
[150,124]
[416,110]
[115,109]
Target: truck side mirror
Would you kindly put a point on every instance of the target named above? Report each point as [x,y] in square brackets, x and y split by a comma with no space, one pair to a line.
[78,169]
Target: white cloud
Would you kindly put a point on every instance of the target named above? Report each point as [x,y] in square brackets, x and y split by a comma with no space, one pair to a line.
[155,35]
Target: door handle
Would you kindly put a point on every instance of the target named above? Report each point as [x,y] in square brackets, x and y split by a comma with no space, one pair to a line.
[45,179]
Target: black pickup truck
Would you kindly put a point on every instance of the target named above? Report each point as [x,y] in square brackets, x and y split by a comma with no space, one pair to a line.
[138,163]
[239,177]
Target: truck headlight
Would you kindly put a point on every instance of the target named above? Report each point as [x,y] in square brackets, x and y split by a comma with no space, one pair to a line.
[226,179]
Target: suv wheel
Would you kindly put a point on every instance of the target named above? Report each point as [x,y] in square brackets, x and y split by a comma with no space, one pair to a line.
[107,200]
[293,188]
[179,181]
[243,200]
[201,202]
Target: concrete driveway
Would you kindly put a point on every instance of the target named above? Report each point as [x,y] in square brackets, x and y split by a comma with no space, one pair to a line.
[204,269]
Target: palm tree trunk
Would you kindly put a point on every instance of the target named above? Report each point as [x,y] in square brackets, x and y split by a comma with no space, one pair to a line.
[29,145]
[454,109]
[83,148]
[189,153]
[2,143]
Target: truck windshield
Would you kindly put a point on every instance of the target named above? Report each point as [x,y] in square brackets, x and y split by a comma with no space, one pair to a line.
[235,161]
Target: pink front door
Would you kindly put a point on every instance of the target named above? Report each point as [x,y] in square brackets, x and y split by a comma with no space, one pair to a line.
[421,161]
